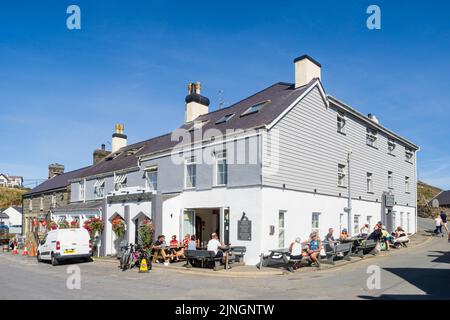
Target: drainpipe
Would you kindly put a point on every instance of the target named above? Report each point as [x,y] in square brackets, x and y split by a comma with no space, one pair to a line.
[349,203]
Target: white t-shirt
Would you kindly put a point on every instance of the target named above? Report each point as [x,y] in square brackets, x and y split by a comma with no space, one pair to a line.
[296,249]
[438,221]
[213,245]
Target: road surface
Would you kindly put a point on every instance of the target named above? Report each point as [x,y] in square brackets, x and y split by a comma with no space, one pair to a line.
[421,272]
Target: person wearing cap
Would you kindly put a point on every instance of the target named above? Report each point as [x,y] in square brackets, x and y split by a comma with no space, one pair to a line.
[313,248]
[344,234]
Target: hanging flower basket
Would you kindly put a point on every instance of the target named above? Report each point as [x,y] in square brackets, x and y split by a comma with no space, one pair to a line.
[94,226]
[146,232]
[118,226]
[63,225]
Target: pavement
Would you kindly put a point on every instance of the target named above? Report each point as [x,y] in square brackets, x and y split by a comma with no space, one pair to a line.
[421,271]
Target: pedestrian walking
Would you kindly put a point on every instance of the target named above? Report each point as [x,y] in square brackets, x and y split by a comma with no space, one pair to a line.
[443,216]
[438,221]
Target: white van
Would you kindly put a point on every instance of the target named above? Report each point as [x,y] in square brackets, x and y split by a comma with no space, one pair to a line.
[64,244]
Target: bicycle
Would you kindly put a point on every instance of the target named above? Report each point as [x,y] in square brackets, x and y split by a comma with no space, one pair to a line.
[133,257]
[128,259]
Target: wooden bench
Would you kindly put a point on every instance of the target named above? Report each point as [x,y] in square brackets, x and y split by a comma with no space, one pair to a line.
[203,257]
[161,254]
[336,250]
[236,254]
[366,246]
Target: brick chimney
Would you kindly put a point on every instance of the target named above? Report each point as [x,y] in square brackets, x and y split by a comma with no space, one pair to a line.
[306,69]
[54,170]
[196,104]
[99,154]
[119,139]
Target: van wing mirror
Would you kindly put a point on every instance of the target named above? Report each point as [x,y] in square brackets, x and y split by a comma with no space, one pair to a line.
[42,242]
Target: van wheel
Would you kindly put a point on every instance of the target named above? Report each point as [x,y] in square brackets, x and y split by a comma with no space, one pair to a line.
[54,261]
[38,256]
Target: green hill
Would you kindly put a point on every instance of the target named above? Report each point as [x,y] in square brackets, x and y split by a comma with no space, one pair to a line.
[425,192]
[10,197]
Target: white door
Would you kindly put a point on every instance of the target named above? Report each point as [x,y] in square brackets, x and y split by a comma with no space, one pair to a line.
[189,222]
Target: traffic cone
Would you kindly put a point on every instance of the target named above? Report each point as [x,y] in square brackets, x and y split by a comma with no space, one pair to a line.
[15,250]
[25,250]
[32,250]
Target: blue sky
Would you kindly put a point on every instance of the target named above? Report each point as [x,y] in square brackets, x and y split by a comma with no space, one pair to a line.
[61,91]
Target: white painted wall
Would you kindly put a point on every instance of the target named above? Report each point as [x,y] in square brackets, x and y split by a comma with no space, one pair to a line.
[111,243]
[15,217]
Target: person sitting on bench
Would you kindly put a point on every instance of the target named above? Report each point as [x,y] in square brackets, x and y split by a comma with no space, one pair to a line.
[295,249]
[344,234]
[214,245]
[313,248]
[364,231]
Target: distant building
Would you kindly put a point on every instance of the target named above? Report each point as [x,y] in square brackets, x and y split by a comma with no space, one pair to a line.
[441,200]
[12,217]
[8,181]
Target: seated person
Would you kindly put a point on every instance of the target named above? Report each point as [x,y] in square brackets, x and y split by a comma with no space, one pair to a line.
[313,248]
[192,244]
[214,245]
[174,241]
[364,231]
[329,237]
[344,234]
[400,237]
[186,240]
[295,249]
[160,243]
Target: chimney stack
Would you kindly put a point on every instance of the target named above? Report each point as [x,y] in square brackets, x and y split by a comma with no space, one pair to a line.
[54,170]
[196,104]
[119,139]
[306,69]
[99,154]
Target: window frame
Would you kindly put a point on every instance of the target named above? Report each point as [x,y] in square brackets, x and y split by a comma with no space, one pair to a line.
[392,145]
[81,190]
[407,185]
[317,226]
[372,137]
[149,183]
[221,156]
[390,182]
[341,123]
[99,188]
[258,106]
[120,181]
[369,182]
[188,162]
[342,175]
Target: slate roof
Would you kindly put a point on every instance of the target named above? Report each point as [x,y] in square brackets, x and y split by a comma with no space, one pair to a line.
[278,96]
[3,215]
[56,183]
[80,206]
[443,198]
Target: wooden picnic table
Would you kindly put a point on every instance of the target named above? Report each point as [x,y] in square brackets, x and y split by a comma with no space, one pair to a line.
[161,253]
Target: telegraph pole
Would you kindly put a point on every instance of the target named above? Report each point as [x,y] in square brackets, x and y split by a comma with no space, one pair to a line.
[349,200]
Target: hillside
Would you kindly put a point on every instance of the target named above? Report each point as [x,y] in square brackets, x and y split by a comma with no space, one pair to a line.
[425,192]
[10,197]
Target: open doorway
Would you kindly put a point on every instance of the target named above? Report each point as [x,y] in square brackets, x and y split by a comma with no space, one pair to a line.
[202,222]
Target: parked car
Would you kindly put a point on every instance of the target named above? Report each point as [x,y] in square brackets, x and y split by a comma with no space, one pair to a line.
[65,244]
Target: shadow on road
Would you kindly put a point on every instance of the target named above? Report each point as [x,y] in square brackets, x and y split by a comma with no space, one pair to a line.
[434,282]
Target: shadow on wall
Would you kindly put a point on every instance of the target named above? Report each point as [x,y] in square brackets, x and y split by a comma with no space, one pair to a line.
[434,282]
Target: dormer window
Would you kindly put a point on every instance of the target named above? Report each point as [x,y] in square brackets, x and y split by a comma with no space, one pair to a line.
[254,109]
[225,118]
[341,122]
[371,137]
